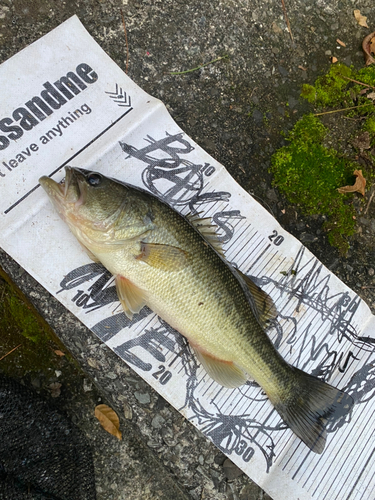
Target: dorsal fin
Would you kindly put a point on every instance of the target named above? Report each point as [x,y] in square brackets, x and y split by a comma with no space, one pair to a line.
[265,308]
[208,230]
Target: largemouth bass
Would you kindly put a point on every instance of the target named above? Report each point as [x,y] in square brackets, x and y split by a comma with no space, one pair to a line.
[174,265]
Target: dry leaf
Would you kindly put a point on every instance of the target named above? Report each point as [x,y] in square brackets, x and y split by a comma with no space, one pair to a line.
[59,353]
[334,59]
[109,420]
[362,141]
[276,29]
[343,44]
[55,389]
[301,67]
[368,47]
[371,96]
[359,185]
[361,20]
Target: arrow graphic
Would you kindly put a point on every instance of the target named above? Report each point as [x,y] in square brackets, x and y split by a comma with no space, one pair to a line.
[120,97]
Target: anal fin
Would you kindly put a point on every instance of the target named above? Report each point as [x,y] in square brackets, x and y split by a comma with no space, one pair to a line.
[224,373]
[131,297]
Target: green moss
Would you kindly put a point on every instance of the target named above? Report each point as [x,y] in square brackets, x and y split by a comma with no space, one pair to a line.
[369,126]
[366,75]
[330,89]
[23,328]
[308,92]
[308,174]
[308,130]
[341,225]
[16,311]
[340,88]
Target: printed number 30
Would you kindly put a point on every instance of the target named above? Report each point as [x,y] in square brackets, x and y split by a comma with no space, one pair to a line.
[276,238]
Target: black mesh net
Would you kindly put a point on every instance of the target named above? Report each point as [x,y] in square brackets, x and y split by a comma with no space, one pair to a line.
[42,454]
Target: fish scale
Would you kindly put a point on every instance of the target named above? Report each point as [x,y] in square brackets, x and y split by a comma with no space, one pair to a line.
[173,264]
[207,303]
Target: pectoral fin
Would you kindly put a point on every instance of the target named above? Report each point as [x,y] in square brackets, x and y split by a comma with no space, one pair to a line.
[223,372]
[265,306]
[164,257]
[131,297]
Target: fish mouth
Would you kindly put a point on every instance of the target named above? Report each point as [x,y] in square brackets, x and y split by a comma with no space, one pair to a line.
[67,181]
[74,186]
[69,192]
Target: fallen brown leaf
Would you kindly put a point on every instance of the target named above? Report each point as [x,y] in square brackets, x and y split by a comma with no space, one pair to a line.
[334,59]
[368,47]
[362,141]
[109,420]
[359,185]
[343,44]
[59,353]
[361,20]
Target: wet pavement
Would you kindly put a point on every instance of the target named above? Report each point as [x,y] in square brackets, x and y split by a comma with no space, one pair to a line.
[237,109]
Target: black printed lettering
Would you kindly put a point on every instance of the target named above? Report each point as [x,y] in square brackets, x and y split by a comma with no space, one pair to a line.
[52,97]
[14,132]
[87,74]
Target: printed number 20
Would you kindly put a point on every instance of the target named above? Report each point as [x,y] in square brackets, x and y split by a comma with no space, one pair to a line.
[165,375]
[276,238]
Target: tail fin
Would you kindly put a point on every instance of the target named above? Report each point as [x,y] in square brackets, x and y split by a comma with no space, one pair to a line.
[309,405]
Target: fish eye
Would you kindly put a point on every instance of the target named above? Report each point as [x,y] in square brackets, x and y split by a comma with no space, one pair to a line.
[94,179]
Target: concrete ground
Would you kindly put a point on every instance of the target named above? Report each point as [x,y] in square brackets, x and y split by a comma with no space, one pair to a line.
[236,109]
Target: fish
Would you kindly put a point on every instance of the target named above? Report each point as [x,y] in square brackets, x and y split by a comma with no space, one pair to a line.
[176,266]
